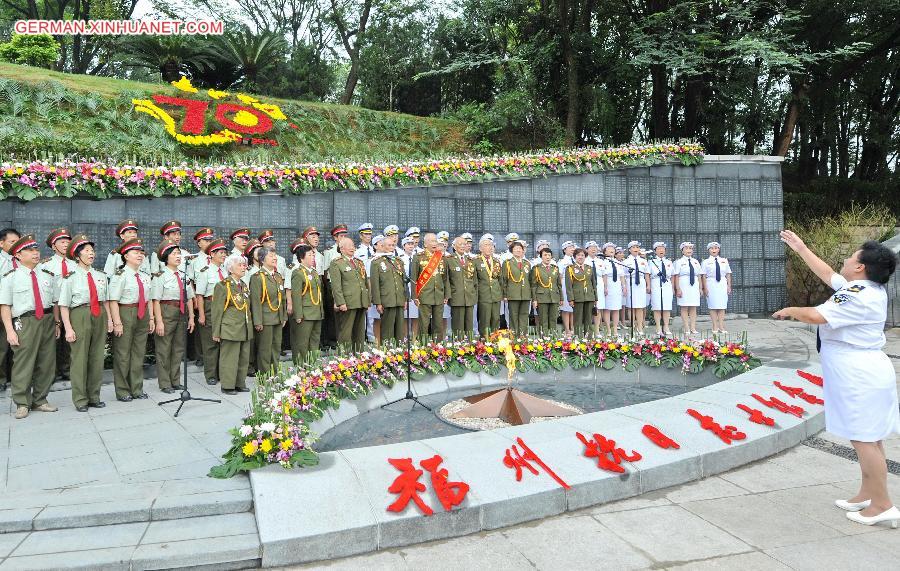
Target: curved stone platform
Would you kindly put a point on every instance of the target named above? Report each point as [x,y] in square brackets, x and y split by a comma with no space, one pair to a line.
[339,508]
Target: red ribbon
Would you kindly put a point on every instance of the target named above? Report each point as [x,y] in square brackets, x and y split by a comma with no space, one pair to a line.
[142,301]
[95,300]
[38,302]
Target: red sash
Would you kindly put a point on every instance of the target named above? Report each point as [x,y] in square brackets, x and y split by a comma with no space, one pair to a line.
[428,271]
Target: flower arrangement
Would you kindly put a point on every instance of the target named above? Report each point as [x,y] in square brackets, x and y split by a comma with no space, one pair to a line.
[66,178]
[276,429]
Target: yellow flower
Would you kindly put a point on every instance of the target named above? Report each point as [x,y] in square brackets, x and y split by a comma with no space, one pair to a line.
[249,448]
[612,346]
[490,350]
[626,347]
[738,352]
[286,444]
[449,352]
[266,445]
[723,350]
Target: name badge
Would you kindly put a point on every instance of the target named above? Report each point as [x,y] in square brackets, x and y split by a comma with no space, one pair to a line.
[458,269]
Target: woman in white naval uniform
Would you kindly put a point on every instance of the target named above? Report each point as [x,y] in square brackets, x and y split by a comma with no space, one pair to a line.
[566,309]
[614,291]
[661,291]
[689,282]
[598,266]
[639,281]
[860,383]
[718,286]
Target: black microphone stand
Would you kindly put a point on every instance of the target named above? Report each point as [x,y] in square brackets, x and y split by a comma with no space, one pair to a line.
[185,393]
[409,392]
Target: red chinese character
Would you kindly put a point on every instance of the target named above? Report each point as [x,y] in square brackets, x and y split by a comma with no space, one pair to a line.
[780,405]
[798,392]
[407,485]
[517,461]
[658,438]
[608,456]
[449,493]
[814,379]
[756,415]
[727,433]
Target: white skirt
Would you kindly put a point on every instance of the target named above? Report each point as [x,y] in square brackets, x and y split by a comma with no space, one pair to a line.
[690,294]
[412,310]
[637,294]
[373,313]
[614,295]
[667,293]
[860,393]
[446,311]
[718,294]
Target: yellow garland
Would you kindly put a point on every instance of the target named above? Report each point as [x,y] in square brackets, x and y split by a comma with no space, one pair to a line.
[549,284]
[308,288]
[490,266]
[509,273]
[229,298]
[265,295]
[572,273]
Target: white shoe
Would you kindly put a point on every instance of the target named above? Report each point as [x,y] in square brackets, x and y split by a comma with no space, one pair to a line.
[892,515]
[852,507]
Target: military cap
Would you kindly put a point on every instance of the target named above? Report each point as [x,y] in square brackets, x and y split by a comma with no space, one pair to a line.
[129,245]
[467,236]
[216,244]
[170,226]
[78,240]
[539,243]
[339,229]
[590,243]
[377,239]
[568,244]
[413,231]
[241,233]
[633,243]
[713,245]
[126,225]
[512,237]
[301,241]
[309,230]
[443,235]
[659,244]
[408,240]
[204,234]
[486,238]
[24,243]
[365,228]
[166,246]
[267,234]
[391,230]
[251,245]
[684,245]
[57,234]
[608,245]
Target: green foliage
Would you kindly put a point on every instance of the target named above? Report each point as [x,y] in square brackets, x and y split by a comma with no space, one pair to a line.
[832,238]
[39,50]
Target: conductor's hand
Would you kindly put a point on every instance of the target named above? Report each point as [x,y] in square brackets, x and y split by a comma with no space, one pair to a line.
[783,313]
[792,240]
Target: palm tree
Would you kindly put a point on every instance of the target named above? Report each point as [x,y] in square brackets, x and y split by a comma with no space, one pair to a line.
[171,56]
[252,52]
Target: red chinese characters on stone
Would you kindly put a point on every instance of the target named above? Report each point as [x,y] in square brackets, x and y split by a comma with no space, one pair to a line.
[408,487]
[799,393]
[516,460]
[781,406]
[609,456]
[756,415]
[814,379]
[726,433]
[658,438]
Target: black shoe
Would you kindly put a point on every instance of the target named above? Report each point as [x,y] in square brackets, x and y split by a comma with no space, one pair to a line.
[81,408]
[242,389]
[229,391]
[141,396]
[199,362]
[178,387]
[168,391]
[100,404]
[2,387]
[126,398]
[211,382]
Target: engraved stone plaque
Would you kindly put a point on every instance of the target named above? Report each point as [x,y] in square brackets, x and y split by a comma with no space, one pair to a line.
[440,214]
[316,210]
[592,188]
[413,211]
[617,218]
[350,208]
[661,191]
[521,215]
[383,209]
[754,272]
[706,191]
[495,218]
[772,219]
[570,217]
[568,190]
[277,211]
[106,211]
[686,218]
[733,245]
[773,247]
[593,218]
[751,219]
[684,191]
[468,216]
[751,192]
[638,190]
[662,218]
[545,216]
[752,246]
[51,212]
[728,191]
[771,192]
[615,189]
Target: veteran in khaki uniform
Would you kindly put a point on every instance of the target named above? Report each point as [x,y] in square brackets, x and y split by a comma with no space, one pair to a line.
[172,297]
[126,230]
[515,280]
[58,240]
[268,308]
[306,289]
[387,280]
[131,309]
[580,292]
[487,270]
[546,288]
[84,309]
[232,327]
[170,230]
[431,290]
[463,289]
[205,280]
[350,288]
[31,323]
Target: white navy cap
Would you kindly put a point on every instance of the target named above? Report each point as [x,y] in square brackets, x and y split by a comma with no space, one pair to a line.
[467,236]
[486,238]
[713,245]
[539,243]
[590,243]
[366,227]
[377,239]
[568,244]
[391,230]
[609,245]
[512,237]
[633,243]
[684,245]
[619,249]
[413,231]
[408,240]
[658,244]
[443,235]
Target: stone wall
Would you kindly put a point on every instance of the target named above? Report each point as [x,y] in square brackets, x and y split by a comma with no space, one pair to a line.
[734,200]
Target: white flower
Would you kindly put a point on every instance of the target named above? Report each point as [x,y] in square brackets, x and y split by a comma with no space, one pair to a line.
[275,403]
[292,381]
[267,427]
[246,430]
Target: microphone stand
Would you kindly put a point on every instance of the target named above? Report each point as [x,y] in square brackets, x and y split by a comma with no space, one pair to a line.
[185,393]
[659,275]
[409,392]
[630,270]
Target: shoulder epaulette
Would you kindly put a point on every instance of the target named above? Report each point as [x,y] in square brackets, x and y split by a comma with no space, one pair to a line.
[120,271]
[7,273]
[68,275]
[156,274]
[45,260]
[203,269]
[45,270]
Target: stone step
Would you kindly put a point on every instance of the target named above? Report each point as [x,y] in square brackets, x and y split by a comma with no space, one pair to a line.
[91,506]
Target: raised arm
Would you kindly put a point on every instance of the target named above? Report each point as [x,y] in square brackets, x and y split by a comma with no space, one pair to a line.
[815,263]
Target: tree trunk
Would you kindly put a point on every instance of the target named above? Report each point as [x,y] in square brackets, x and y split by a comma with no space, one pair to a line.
[798,93]
[659,102]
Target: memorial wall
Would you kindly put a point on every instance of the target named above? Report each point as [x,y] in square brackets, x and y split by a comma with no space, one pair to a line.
[734,200]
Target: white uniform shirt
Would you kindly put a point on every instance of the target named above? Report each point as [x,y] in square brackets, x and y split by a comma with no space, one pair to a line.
[855,313]
[709,268]
[365,252]
[682,267]
[643,268]
[656,266]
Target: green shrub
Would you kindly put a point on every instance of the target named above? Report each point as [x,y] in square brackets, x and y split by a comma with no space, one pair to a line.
[39,50]
[833,238]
